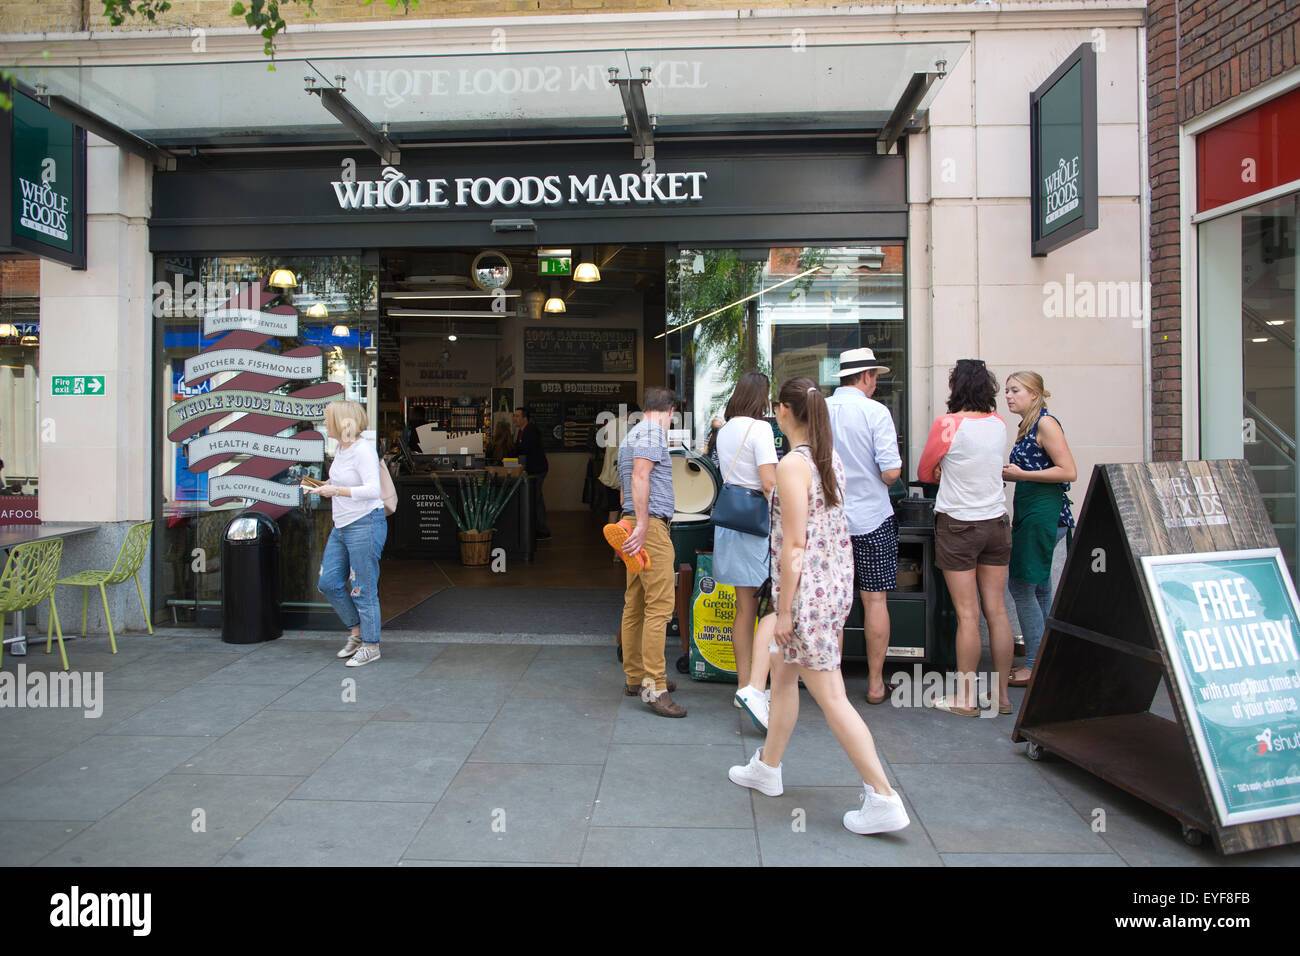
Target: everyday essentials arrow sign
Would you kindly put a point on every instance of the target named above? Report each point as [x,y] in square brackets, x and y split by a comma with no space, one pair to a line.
[77,385]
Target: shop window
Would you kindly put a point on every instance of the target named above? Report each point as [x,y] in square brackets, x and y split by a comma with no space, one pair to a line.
[1248,317]
[20,402]
[332,306]
[786,312]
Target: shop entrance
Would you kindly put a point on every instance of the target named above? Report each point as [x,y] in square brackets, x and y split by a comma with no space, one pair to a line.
[466,337]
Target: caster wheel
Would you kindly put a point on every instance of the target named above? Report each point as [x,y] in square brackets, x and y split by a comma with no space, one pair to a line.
[1192,836]
[683,664]
[1033,751]
[619,652]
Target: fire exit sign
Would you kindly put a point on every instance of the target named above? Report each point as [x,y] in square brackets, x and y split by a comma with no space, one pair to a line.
[77,385]
[556,267]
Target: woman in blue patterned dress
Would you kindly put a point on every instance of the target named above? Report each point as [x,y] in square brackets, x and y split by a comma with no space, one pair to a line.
[812,586]
[1042,468]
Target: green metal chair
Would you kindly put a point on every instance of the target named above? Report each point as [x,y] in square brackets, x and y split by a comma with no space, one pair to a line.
[28,579]
[128,564]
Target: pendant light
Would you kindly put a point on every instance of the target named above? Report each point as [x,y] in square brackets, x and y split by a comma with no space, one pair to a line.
[340,331]
[282,279]
[586,270]
[318,311]
[555,303]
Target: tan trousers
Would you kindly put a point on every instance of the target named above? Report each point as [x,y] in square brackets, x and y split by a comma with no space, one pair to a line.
[647,608]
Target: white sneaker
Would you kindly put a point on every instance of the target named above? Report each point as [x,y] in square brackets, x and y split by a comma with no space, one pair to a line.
[368,653]
[351,647]
[755,703]
[878,814]
[758,776]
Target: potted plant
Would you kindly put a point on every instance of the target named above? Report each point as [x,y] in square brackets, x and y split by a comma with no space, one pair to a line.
[481,501]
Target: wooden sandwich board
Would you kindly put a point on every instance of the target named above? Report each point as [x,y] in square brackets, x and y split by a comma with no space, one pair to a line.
[1175,575]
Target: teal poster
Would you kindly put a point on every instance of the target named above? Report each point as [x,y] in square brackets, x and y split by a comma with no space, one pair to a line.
[1231,629]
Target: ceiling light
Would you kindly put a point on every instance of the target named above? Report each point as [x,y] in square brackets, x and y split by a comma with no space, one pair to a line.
[341,331]
[1276,322]
[30,341]
[318,311]
[8,331]
[555,303]
[1264,339]
[282,279]
[586,270]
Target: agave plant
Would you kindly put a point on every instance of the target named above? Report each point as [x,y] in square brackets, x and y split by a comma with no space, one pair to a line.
[481,501]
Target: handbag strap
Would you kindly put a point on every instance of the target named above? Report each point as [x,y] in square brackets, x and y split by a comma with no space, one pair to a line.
[740,451]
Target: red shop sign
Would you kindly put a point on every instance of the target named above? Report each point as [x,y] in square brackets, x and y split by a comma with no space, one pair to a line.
[1249,154]
[19,509]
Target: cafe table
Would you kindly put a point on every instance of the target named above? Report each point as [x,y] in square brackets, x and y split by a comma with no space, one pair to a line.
[11,536]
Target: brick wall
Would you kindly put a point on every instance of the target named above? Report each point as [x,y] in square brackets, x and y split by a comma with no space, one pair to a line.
[31,16]
[1225,49]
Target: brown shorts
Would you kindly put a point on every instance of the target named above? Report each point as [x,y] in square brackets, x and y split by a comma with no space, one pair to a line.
[960,545]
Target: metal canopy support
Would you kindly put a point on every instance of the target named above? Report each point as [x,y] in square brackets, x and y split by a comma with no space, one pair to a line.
[332,99]
[93,123]
[636,118]
[917,88]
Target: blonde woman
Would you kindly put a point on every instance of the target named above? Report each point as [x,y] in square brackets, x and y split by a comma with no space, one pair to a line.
[349,571]
[1042,468]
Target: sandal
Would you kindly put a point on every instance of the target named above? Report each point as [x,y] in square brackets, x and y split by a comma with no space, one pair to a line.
[941,703]
[1014,681]
[616,534]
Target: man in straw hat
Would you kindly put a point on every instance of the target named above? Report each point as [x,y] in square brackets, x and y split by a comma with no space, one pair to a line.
[867,442]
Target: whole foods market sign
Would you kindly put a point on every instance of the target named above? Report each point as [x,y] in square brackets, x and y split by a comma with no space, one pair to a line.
[43,209]
[1231,628]
[1063,153]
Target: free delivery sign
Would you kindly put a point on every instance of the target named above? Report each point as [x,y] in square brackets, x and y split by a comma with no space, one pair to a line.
[1232,633]
[43,210]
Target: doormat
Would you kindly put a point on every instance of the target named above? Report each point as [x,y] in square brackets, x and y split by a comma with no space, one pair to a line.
[516,611]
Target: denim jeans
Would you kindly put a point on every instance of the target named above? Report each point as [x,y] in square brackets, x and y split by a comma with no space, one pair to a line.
[355,595]
[1033,601]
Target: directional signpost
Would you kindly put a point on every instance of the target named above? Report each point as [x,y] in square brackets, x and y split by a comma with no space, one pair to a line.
[77,385]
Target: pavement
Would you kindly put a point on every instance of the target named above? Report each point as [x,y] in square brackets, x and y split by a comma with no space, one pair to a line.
[457,752]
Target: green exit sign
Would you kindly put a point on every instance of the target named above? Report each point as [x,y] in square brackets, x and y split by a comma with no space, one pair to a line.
[77,385]
[556,267]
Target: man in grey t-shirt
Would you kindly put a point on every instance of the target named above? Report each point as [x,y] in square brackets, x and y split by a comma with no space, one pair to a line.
[646,475]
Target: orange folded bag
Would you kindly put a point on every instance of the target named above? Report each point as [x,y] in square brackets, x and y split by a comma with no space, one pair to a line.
[617,534]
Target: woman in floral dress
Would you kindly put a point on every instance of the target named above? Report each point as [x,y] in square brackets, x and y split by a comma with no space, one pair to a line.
[812,587]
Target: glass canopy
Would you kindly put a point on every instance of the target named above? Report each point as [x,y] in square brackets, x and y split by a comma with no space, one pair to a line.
[482,96]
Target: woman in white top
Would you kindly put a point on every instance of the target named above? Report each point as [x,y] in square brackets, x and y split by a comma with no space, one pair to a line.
[746,451]
[349,571]
[972,536]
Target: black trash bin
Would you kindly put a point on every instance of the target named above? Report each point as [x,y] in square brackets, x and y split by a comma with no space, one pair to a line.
[250,580]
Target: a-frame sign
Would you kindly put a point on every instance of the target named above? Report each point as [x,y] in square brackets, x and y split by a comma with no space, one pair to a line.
[1175,573]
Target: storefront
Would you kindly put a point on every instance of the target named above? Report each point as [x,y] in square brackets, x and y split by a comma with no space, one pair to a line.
[809,184]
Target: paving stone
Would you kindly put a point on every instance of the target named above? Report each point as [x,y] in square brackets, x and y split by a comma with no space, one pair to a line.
[1032,859]
[710,718]
[167,672]
[534,813]
[814,758]
[566,678]
[25,842]
[287,670]
[93,779]
[358,690]
[482,662]
[669,846]
[671,785]
[994,808]
[471,701]
[398,762]
[330,833]
[158,826]
[548,731]
[287,743]
[203,710]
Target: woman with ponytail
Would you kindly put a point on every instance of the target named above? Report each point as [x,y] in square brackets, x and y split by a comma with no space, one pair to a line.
[1042,468]
[812,586]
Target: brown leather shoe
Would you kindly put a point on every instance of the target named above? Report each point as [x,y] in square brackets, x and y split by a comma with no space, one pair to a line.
[632,690]
[664,706]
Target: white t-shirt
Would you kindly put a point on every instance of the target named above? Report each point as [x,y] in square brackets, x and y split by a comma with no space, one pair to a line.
[356,467]
[759,449]
[970,452]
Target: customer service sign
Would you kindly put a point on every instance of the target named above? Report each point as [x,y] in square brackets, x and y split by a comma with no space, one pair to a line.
[1232,634]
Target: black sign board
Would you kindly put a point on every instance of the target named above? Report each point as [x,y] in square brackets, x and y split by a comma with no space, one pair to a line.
[42,182]
[567,412]
[1172,580]
[552,351]
[1063,153]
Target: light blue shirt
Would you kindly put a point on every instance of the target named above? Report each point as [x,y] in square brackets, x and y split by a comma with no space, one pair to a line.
[867,442]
